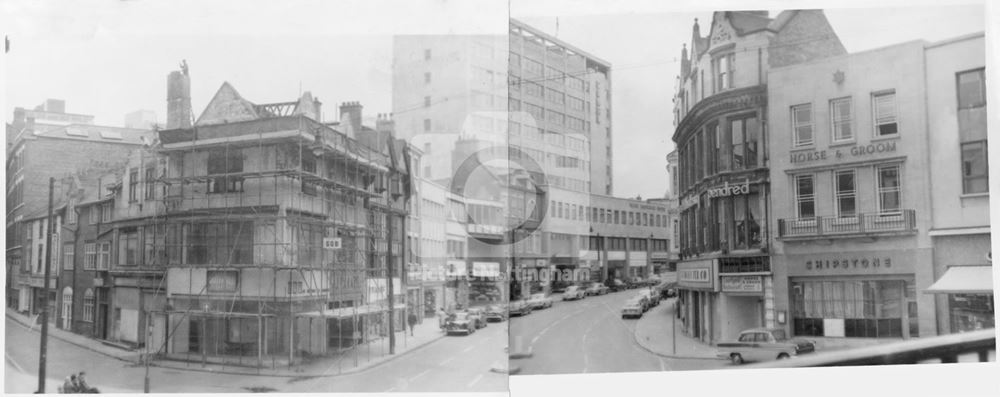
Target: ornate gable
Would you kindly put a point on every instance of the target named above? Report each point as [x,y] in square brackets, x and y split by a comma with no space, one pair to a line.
[227,106]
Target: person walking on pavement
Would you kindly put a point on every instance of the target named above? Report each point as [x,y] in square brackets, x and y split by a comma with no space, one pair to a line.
[82,384]
[441,316]
[412,320]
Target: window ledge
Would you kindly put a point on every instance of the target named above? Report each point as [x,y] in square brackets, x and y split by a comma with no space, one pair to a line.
[851,142]
[895,136]
[811,146]
[974,195]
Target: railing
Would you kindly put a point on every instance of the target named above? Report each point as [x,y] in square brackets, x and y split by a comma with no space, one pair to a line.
[976,346]
[860,224]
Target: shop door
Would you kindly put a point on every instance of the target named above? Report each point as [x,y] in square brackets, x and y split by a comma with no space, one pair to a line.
[695,314]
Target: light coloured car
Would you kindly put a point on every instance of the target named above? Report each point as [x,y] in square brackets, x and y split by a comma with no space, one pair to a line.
[479,315]
[540,301]
[596,289]
[460,322]
[633,308]
[573,292]
[644,298]
[762,344]
[496,312]
[519,307]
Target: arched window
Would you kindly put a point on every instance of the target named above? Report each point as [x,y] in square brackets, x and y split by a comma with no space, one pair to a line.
[67,307]
[88,305]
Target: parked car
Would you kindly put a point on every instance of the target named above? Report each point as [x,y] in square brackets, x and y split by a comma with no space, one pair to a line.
[479,315]
[644,299]
[519,307]
[460,322]
[762,344]
[596,289]
[560,285]
[539,301]
[496,313]
[616,285]
[574,292]
[633,308]
[652,294]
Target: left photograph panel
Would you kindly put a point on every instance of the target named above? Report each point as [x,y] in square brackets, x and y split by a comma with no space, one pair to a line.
[253,204]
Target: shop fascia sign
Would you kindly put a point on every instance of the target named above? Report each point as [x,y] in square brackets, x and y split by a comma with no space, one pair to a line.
[742,284]
[727,190]
[862,263]
[852,151]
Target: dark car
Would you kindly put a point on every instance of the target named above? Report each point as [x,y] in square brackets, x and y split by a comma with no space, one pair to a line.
[520,307]
[496,313]
[595,289]
[616,285]
[460,322]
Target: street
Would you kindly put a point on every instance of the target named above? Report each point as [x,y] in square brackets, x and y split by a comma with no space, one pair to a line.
[451,364]
[588,336]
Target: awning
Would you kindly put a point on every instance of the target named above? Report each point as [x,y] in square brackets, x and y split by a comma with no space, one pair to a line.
[964,280]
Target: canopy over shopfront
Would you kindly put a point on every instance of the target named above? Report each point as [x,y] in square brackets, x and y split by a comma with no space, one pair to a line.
[964,280]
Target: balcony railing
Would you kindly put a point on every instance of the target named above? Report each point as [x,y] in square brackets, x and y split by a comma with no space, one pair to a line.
[861,224]
[975,346]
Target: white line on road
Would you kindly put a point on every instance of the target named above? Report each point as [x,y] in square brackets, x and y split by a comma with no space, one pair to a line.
[474,381]
[535,339]
[466,350]
[419,375]
[14,363]
[448,360]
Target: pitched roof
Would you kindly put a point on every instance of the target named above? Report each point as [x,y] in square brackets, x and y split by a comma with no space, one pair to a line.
[97,133]
[227,106]
[748,21]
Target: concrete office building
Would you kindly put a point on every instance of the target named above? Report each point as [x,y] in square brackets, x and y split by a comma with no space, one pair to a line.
[447,88]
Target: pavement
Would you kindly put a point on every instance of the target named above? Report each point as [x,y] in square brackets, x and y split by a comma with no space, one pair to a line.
[355,360]
[656,331]
[452,364]
[655,334]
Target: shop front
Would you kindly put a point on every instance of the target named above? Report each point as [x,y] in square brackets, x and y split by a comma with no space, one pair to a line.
[969,290]
[697,289]
[858,295]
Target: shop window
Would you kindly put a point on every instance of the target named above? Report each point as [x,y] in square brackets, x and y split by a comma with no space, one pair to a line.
[889,190]
[805,198]
[971,312]
[846,195]
[802,125]
[867,308]
[884,109]
[841,119]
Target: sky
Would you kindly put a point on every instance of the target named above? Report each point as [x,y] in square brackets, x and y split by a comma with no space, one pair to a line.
[644,81]
[110,59]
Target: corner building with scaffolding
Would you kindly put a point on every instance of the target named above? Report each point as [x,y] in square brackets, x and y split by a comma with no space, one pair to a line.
[282,235]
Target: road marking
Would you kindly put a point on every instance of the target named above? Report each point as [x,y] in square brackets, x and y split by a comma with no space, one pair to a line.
[535,339]
[474,381]
[663,365]
[448,360]
[390,390]
[14,363]
[466,350]
[419,375]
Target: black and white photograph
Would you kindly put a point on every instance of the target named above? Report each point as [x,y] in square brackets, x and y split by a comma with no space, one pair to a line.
[499,197]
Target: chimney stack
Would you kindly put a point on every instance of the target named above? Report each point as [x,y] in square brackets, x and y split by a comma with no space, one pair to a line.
[350,118]
[179,99]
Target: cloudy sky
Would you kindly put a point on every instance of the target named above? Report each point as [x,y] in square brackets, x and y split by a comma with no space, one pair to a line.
[110,58]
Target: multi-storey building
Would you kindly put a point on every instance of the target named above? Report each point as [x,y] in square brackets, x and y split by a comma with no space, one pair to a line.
[280,233]
[720,107]
[959,177]
[50,143]
[551,100]
[849,182]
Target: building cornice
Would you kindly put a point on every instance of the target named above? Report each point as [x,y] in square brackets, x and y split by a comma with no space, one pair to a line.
[721,103]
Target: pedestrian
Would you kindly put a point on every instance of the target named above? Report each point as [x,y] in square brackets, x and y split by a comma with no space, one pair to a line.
[82,384]
[412,320]
[69,385]
[441,315]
